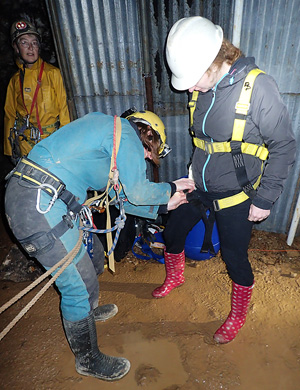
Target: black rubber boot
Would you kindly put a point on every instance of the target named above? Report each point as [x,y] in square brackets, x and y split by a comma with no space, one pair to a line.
[104,312]
[82,338]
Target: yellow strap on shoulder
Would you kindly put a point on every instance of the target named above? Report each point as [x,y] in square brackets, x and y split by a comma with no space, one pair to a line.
[243,105]
[105,196]
[117,138]
[192,106]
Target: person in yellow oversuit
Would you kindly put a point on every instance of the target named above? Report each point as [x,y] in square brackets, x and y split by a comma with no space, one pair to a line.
[36,102]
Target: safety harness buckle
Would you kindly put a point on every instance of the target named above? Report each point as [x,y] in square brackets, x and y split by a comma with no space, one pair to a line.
[208,148]
[242,108]
[68,221]
[216,205]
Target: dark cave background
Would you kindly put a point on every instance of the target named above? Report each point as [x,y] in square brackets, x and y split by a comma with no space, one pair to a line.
[34,11]
[10,10]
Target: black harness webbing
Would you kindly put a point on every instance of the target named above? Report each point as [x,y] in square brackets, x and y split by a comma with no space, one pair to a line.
[196,198]
[41,178]
[36,175]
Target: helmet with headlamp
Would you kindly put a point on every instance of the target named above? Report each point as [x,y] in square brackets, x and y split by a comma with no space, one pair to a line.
[154,121]
[22,27]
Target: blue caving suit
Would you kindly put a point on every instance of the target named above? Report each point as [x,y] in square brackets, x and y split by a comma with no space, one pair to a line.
[80,156]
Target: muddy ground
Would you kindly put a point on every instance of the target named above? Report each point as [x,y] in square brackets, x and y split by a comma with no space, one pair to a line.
[168,341]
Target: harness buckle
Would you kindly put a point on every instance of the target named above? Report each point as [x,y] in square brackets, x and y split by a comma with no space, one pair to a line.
[236,146]
[208,148]
[68,221]
[242,108]
[216,205]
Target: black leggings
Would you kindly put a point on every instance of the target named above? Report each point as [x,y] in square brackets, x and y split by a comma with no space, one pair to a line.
[234,231]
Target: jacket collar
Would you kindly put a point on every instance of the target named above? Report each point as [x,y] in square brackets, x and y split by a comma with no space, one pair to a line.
[238,71]
[35,66]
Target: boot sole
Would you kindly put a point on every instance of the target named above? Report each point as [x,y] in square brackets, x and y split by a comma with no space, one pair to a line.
[85,372]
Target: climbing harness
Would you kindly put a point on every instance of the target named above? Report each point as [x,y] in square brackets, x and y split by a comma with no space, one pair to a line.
[236,146]
[24,130]
[102,201]
[34,100]
[43,180]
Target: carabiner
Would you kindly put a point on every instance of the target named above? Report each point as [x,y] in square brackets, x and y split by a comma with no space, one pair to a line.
[86,216]
[52,200]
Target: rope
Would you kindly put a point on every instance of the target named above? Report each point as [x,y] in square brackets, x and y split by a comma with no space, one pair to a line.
[119,224]
[115,242]
[65,261]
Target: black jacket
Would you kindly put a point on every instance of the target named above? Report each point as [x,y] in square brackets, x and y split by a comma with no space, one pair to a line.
[267,123]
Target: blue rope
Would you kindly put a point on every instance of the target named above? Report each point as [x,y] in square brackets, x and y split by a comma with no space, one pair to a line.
[115,242]
[120,223]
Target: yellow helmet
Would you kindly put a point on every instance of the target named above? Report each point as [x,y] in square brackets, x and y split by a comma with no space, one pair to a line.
[154,121]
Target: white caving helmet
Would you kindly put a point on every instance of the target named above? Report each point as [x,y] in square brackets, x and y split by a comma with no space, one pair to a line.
[192,45]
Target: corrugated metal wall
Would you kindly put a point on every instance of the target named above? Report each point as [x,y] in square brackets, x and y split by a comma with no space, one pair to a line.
[100,45]
[270,33]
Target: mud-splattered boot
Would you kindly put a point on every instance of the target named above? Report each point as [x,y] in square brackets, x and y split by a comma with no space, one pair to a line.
[82,338]
[105,312]
[174,264]
[240,300]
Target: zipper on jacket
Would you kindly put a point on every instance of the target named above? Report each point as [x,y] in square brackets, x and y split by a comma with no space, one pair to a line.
[203,128]
[211,140]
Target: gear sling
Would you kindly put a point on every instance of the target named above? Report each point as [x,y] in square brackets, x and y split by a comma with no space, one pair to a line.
[236,146]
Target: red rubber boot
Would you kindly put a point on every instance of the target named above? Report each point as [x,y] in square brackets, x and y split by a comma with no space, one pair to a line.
[240,301]
[174,263]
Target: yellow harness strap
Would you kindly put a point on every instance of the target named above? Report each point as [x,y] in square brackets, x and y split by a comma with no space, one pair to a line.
[233,200]
[222,147]
[105,196]
[241,110]
[243,105]
[192,106]
[117,137]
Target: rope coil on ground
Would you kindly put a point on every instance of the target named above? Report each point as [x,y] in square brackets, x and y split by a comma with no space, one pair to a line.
[65,261]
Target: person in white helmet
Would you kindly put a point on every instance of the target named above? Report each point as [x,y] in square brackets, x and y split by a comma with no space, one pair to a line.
[36,101]
[244,149]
